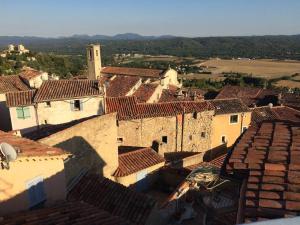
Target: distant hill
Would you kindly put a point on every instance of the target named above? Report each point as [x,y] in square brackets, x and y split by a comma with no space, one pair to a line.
[278,46]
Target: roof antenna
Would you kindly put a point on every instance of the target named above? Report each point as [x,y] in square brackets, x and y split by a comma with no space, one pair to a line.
[9,154]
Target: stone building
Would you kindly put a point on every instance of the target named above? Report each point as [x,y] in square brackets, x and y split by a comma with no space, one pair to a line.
[55,102]
[168,127]
[35,178]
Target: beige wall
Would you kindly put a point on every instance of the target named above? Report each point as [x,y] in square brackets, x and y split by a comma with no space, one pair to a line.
[94,63]
[60,111]
[24,125]
[156,95]
[132,178]
[37,81]
[134,88]
[5,123]
[13,189]
[93,144]
[222,126]
[171,78]
[143,132]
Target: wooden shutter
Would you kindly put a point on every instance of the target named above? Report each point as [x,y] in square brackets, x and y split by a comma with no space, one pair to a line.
[72,105]
[20,113]
[26,112]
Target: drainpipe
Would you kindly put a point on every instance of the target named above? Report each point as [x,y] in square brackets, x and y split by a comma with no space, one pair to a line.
[242,120]
[182,128]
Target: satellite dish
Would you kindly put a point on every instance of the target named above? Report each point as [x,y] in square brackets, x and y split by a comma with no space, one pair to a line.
[8,152]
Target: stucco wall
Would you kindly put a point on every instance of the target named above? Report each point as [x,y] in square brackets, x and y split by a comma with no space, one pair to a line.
[13,191]
[132,178]
[5,123]
[143,132]
[171,78]
[93,144]
[156,95]
[24,125]
[60,111]
[222,126]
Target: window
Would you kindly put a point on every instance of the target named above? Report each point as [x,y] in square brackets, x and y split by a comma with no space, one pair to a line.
[76,105]
[119,140]
[234,118]
[36,191]
[46,122]
[191,137]
[91,54]
[195,115]
[203,134]
[224,141]
[244,129]
[23,112]
[48,104]
[164,139]
[96,52]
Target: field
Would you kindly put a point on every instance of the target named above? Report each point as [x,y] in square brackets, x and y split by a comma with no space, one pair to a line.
[260,68]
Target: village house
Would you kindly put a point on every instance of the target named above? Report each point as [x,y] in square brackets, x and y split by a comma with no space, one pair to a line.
[35,178]
[55,102]
[167,127]
[232,117]
[12,83]
[33,78]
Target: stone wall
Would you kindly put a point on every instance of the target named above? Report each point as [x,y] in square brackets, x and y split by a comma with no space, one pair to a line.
[93,144]
[169,134]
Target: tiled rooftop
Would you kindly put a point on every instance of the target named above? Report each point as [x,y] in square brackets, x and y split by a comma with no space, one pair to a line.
[144,92]
[29,148]
[183,94]
[147,110]
[119,103]
[121,85]
[217,162]
[260,114]
[29,73]
[20,98]
[12,83]
[113,198]
[67,89]
[151,73]
[136,160]
[65,213]
[225,106]
[269,152]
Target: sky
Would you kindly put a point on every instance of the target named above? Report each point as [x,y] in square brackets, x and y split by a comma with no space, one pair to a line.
[190,18]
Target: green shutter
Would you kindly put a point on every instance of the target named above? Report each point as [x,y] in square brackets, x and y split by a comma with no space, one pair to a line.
[26,112]
[20,113]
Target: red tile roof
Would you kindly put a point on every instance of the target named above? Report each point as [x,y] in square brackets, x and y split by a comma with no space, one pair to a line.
[151,73]
[145,92]
[267,155]
[183,94]
[67,89]
[117,104]
[217,162]
[147,110]
[291,100]
[113,198]
[225,106]
[12,83]
[121,85]
[137,160]
[29,73]
[20,98]
[28,148]
[65,213]
[238,92]
[260,114]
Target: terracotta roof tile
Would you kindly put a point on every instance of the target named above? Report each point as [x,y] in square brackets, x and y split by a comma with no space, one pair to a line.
[65,213]
[20,98]
[67,89]
[29,148]
[12,83]
[145,92]
[113,198]
[269,152]
[183,94]
[121,85]
[137,160]
[151,73]
[29,73]
[147,110]
[266,113]
[225,106]
[217,162]
[117,104]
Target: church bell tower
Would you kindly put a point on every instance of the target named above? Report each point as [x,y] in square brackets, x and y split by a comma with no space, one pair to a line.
[93,61]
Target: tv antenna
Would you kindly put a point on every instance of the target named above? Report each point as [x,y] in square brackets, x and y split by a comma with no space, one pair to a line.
[8,154]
